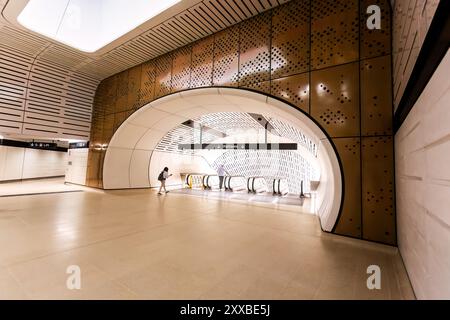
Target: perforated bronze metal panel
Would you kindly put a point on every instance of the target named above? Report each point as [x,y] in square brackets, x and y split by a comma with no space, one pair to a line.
[378,189]
[163,75]
[120,117]
[108,127]
[122,91]
[110,94]
[147,85]
[226,57]
[290,39]
[202,63]
[98,108]
[94,172]
[335,99]
[349,222]
[263,87]
[376,96]
[134,83]
[181,68]
[334,32]
[254,59]
[98,112]
[97,131]
[294,89]
[375,42]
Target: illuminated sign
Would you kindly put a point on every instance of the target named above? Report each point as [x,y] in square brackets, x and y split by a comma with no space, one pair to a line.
[42,145]
[79,145]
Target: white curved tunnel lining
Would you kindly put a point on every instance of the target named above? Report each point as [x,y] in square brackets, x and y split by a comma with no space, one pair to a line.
[128,156]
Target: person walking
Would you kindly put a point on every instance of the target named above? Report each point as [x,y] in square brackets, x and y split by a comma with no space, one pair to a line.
[221,174]
[163,176]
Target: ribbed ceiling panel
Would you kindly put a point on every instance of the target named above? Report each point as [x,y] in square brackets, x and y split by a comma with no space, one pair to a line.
[43,99]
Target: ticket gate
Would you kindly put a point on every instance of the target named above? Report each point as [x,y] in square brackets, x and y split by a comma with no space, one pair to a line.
[256,185]
[210,181]
[235,183]
[280,187]
[194,181]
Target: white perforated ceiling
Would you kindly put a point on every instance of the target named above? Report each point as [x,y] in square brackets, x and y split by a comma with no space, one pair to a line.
[228,122]
[232,123]
[47,88]
[289,165]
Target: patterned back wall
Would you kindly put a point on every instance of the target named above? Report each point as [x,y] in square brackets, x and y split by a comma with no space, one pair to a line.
[317,55]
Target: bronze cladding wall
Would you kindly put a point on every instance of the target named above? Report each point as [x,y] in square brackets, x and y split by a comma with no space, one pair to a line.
[319,56]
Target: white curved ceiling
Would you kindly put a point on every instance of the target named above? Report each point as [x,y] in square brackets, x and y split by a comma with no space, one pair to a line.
[145,128]
[129,154]
[88,25]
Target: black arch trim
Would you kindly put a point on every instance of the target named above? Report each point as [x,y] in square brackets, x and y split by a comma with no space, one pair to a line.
[341,168]
[431,54]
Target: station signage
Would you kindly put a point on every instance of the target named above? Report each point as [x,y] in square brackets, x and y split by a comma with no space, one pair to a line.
[42,145]
[79,145]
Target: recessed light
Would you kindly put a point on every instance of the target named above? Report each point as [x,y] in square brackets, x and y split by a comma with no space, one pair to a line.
[89,25]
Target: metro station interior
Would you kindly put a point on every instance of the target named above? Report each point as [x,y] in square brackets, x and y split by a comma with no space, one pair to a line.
[306,144]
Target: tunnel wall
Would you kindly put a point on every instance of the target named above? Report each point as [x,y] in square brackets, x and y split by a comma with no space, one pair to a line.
[423,188]
[317,55]
[133,150]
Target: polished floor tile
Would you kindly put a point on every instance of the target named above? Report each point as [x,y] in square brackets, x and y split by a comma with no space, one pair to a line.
[133,244]
[303,204]
[51,185]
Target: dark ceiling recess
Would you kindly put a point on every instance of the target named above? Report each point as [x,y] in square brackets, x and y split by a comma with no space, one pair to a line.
[238,146]
[431,54]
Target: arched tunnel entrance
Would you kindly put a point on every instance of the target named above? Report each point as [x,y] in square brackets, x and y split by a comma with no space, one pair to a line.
[154,137]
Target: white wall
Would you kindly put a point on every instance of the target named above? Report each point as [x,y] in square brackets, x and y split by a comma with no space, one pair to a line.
[423,188]
[11,163]
[24,163]
[43,163]
[77,165]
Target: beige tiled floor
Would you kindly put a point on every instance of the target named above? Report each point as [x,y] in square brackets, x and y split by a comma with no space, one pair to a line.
[136,245]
